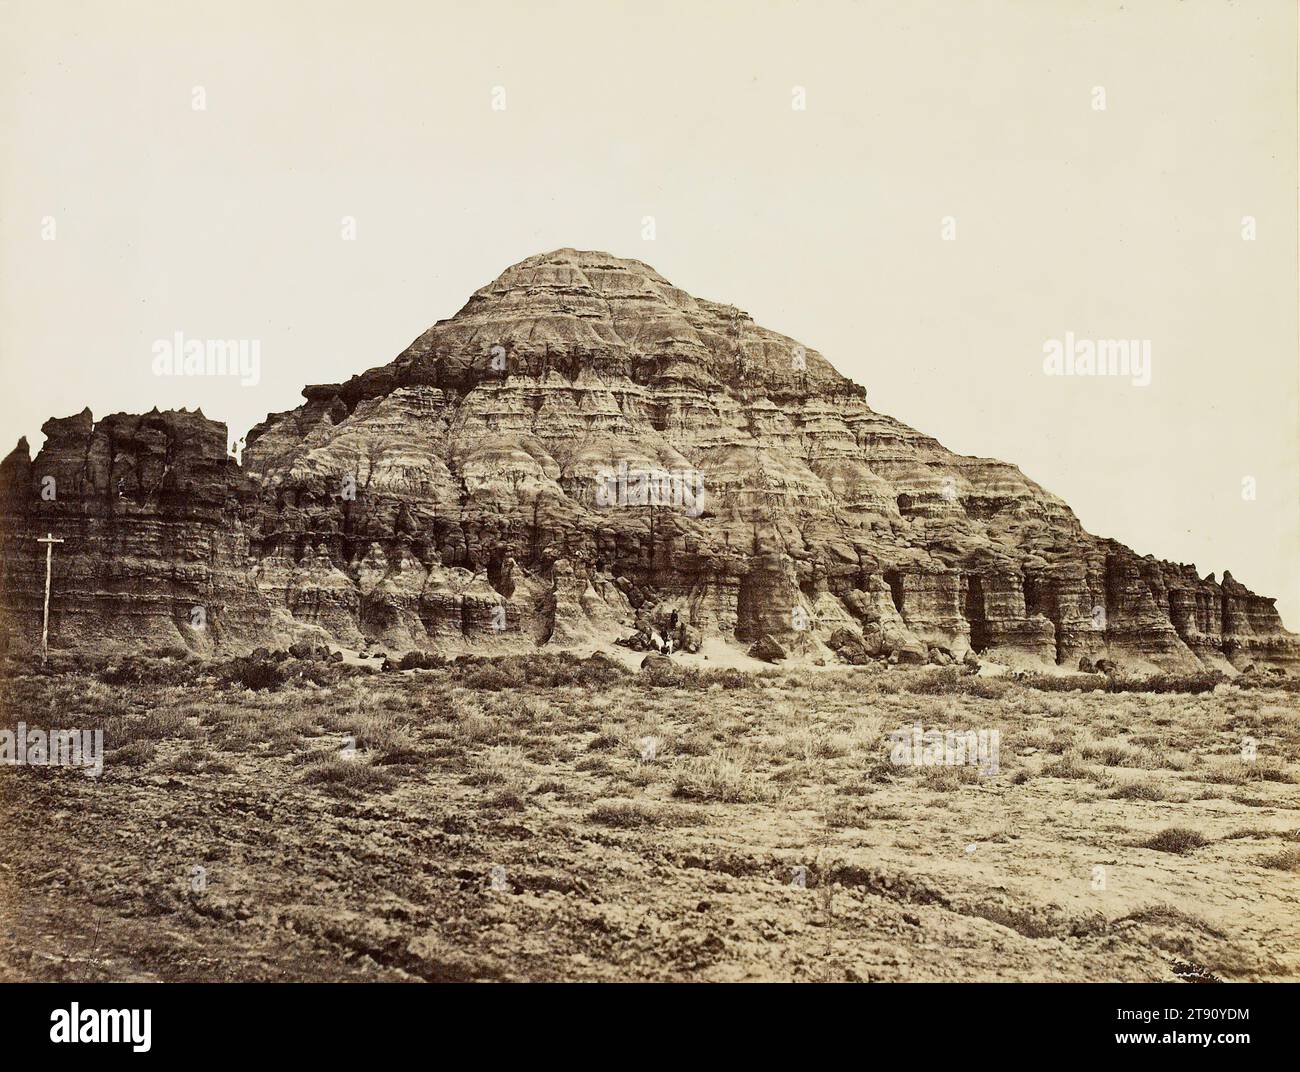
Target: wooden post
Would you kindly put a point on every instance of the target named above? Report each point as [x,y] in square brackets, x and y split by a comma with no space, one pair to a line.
[49,539]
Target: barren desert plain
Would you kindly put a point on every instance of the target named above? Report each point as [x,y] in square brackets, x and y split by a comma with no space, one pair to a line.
[570,816]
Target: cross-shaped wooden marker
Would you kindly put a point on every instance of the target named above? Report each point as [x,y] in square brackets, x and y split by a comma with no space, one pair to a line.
[49,539]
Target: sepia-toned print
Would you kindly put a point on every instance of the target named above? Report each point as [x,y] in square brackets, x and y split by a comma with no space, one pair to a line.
[640,496]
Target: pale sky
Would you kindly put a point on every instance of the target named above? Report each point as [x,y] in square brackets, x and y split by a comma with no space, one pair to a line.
[824,224]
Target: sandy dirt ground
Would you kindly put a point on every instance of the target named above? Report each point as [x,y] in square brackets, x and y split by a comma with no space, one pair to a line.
[488,824]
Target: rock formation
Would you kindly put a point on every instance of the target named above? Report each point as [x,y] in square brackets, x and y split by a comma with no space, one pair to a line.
[582,447]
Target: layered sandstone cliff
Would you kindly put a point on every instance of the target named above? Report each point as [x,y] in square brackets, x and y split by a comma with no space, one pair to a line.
[582,449]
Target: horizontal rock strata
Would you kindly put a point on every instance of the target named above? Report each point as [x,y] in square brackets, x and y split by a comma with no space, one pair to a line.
[582,448]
